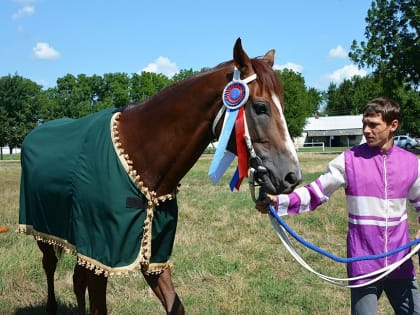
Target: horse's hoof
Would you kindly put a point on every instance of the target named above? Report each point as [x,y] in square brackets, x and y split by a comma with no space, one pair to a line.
[4,229]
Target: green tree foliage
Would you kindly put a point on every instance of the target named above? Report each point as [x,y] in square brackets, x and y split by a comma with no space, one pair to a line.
[19,105]
[147,84]
[392,51]
[74,95]
[183,74]
[392,48]
[116,89]
[78,96]
[300,102]
[351,95]
[410,105]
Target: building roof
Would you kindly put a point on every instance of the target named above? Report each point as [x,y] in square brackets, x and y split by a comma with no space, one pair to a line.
[334,125]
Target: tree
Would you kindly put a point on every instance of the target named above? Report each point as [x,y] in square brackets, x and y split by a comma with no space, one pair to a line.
[147,84]
[351,95]
[410,106]
[116,89]
[300,103]
[339,99]
[72,96]
[19,106]
[393,44]
[184,74]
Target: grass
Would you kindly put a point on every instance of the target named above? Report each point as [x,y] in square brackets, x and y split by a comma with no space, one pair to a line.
[227,258]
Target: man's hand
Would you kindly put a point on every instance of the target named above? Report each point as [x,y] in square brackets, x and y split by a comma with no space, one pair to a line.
[263,201]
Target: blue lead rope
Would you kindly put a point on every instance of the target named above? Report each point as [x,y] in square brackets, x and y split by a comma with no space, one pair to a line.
[328,254]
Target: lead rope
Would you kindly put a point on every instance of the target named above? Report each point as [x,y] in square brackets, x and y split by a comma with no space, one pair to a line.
[381,273]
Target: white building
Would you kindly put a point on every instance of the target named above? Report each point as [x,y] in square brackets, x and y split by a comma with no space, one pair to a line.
[6,151]
[333,131]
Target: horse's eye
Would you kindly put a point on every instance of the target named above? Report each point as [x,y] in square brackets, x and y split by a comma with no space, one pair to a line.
[260,108]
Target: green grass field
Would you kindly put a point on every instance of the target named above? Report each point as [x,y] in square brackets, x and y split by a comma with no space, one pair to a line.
[227,257]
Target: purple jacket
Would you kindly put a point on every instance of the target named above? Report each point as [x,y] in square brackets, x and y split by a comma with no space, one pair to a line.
[377,186]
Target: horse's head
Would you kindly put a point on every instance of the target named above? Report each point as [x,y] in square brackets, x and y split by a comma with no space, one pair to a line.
[272,156]
[183,118]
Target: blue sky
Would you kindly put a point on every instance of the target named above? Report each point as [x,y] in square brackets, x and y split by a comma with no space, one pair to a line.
[43,40]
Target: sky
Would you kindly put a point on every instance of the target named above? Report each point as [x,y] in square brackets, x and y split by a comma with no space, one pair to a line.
[44,40]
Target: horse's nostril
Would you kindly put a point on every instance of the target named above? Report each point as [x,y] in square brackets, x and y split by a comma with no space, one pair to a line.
[292,178]
[262,170]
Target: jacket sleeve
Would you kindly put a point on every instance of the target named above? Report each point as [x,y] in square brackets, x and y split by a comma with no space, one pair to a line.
[414,192]
[309,197]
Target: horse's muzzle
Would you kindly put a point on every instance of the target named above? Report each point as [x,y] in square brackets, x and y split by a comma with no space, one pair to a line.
[273,182]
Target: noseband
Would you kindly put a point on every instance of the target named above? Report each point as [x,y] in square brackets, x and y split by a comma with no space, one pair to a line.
[235,95]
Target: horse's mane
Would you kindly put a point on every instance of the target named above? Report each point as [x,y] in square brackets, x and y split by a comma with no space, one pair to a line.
[265,75]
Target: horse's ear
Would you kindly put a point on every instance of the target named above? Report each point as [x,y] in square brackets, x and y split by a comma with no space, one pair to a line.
[269,57]
[241,59]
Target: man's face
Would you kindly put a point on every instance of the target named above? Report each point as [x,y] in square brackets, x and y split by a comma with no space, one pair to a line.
[377,132]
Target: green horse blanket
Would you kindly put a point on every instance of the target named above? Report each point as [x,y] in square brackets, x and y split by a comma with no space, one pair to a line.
[77,194]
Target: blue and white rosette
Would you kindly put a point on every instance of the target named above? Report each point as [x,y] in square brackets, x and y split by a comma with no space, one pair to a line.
[235,95]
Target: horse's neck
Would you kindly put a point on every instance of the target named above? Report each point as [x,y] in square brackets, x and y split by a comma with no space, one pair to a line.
[165,136]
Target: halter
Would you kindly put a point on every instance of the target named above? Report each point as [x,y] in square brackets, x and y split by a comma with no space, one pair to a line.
[235,96]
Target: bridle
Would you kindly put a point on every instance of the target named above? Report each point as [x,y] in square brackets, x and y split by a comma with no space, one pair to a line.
[235,96]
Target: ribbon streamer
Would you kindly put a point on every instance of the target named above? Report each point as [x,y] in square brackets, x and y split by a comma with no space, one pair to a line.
[222,157]
[241,150]
[235,95]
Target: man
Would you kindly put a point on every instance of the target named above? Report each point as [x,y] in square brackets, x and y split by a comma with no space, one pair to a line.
[378,178]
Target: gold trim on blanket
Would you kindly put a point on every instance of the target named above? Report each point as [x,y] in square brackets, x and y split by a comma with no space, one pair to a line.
[152,201]
[89,263]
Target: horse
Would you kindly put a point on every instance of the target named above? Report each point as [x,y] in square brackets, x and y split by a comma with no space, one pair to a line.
[103,186]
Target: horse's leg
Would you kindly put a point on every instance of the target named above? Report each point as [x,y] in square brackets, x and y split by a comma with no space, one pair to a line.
[163,287]
[97,292]
[79,287]
[49,262]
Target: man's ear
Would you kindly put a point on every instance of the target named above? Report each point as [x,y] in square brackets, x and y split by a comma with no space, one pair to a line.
[394,125]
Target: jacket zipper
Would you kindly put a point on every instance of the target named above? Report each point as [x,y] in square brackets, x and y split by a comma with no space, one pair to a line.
[386,208]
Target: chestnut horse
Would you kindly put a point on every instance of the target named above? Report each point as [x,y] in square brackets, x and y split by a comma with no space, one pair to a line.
[74,202]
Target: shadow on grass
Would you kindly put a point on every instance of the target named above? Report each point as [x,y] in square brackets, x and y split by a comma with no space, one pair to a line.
[42,310]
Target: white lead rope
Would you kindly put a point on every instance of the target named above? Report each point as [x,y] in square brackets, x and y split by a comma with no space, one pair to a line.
[381,273]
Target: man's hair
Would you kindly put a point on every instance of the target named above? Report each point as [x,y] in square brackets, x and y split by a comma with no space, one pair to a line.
[389,109]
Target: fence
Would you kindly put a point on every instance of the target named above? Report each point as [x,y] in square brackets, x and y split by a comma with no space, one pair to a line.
[311,146]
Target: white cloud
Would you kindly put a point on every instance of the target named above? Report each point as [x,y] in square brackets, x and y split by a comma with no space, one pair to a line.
[338,52]
[346,72]
[45,51]
[290,65]
[25,11]
[162,65]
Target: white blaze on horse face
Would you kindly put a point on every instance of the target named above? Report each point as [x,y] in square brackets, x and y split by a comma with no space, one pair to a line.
[288,140]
